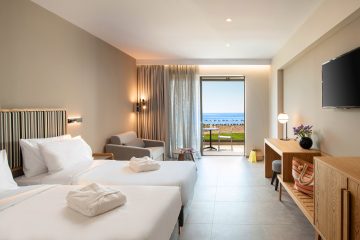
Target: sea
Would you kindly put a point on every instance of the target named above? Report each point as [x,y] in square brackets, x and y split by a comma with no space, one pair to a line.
[224,118]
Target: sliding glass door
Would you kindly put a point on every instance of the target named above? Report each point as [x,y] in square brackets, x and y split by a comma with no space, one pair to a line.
[223,115]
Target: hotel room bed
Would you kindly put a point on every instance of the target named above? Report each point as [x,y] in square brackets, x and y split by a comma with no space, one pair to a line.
[111,172]
[40,212]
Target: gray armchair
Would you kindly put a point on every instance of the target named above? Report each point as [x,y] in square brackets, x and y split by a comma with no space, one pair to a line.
[126,145]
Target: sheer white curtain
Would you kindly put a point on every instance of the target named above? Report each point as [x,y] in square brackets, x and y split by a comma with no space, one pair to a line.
[183,107]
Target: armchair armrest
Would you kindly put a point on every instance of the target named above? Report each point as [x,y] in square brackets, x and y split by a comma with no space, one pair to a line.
[122,152]
[153,143]
[103,156]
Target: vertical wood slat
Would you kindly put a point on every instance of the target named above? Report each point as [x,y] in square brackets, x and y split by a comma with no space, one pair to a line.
[37,123]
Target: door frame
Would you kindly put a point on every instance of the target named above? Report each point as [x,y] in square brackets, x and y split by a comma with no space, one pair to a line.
[224,78]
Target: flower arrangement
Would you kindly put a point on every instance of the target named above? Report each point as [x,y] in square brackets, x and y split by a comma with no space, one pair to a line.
[302,131]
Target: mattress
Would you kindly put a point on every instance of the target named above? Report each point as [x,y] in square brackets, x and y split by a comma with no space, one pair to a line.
[110,172]
[151,212]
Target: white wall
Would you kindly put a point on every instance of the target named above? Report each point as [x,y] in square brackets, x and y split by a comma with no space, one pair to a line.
[327,19]
[338,130]
[46,62]
[256,98]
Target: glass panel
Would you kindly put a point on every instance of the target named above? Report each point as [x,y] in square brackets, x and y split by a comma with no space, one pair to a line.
[223,116]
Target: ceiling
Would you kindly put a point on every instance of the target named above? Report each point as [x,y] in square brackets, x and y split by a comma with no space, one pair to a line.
[188,29]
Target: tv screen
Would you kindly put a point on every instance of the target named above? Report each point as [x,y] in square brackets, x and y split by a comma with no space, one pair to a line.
[341,81]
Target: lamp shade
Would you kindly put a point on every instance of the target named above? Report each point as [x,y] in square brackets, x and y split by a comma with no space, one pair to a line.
[283,118]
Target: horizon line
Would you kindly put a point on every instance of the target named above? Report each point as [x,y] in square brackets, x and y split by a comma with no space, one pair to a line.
[221,112]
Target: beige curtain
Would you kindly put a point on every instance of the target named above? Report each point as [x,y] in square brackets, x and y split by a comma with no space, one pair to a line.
[152,87]
[172,114]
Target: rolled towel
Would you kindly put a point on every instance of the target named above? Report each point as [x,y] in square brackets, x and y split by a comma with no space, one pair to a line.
[94,199]
[143,164]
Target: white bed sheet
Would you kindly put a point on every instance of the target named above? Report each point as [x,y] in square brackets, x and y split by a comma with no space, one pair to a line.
[151,212]
[8,193]
[111,172]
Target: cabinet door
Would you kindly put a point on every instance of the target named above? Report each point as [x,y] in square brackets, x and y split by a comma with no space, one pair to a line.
[328,193]
[354,189]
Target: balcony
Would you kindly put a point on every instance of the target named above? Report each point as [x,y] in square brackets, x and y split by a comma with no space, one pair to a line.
[226,139]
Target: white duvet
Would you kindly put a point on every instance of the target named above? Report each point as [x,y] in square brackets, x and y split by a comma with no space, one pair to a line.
[41,213]
[111,172]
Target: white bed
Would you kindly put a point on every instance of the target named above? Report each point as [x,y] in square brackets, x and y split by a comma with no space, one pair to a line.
[40,212]
[111,172]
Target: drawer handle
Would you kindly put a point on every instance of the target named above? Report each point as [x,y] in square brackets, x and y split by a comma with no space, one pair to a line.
[345,213]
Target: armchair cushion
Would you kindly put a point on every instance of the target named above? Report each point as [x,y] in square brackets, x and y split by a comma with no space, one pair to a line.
[137,142]
[127,145]
[126,152]
[153,143]
[123,138]
[156,152]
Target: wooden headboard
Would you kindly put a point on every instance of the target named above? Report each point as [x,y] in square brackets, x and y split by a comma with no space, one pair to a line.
[16,124]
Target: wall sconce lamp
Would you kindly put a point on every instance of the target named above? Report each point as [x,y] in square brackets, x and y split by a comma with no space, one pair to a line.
[140,106]
[74,120]
[283,118]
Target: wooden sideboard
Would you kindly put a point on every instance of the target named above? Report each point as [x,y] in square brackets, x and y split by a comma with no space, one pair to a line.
[337,198]
[334,211]
[285,151]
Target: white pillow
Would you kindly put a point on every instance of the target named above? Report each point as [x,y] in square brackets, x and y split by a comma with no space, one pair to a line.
[85,144]
[6,179]
[61,155]
[33,162]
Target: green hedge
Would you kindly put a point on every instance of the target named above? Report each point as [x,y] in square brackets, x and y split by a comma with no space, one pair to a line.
[235,136]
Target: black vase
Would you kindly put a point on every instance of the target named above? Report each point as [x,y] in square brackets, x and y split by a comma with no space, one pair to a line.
[306,142]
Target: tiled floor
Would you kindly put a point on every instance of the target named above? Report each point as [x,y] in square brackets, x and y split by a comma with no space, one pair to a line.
[236,150]
[234,201]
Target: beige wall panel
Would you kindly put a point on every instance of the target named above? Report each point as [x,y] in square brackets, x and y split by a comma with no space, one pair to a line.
[46,62]
[336,130]
[330,16]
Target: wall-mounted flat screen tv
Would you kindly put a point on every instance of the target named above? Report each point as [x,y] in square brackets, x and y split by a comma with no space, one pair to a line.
[341,81]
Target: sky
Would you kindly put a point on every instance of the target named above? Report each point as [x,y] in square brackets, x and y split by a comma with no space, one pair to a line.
[223,97]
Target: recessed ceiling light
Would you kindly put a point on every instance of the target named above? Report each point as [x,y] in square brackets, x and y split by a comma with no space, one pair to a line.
[227,45]
[228,20]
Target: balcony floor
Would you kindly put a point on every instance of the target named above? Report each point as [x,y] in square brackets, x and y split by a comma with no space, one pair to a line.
[225,150]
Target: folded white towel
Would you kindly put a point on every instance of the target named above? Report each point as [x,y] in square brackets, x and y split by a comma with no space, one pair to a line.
[94,199]
[143,164]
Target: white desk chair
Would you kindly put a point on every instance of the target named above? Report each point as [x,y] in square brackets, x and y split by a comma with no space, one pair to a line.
[225,137]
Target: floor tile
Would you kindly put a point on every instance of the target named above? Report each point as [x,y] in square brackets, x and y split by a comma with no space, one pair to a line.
[196,232]
[289,231]
[235,213]
[233,200]
[204,193]
[234,194]
[238,232]
[201,212]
